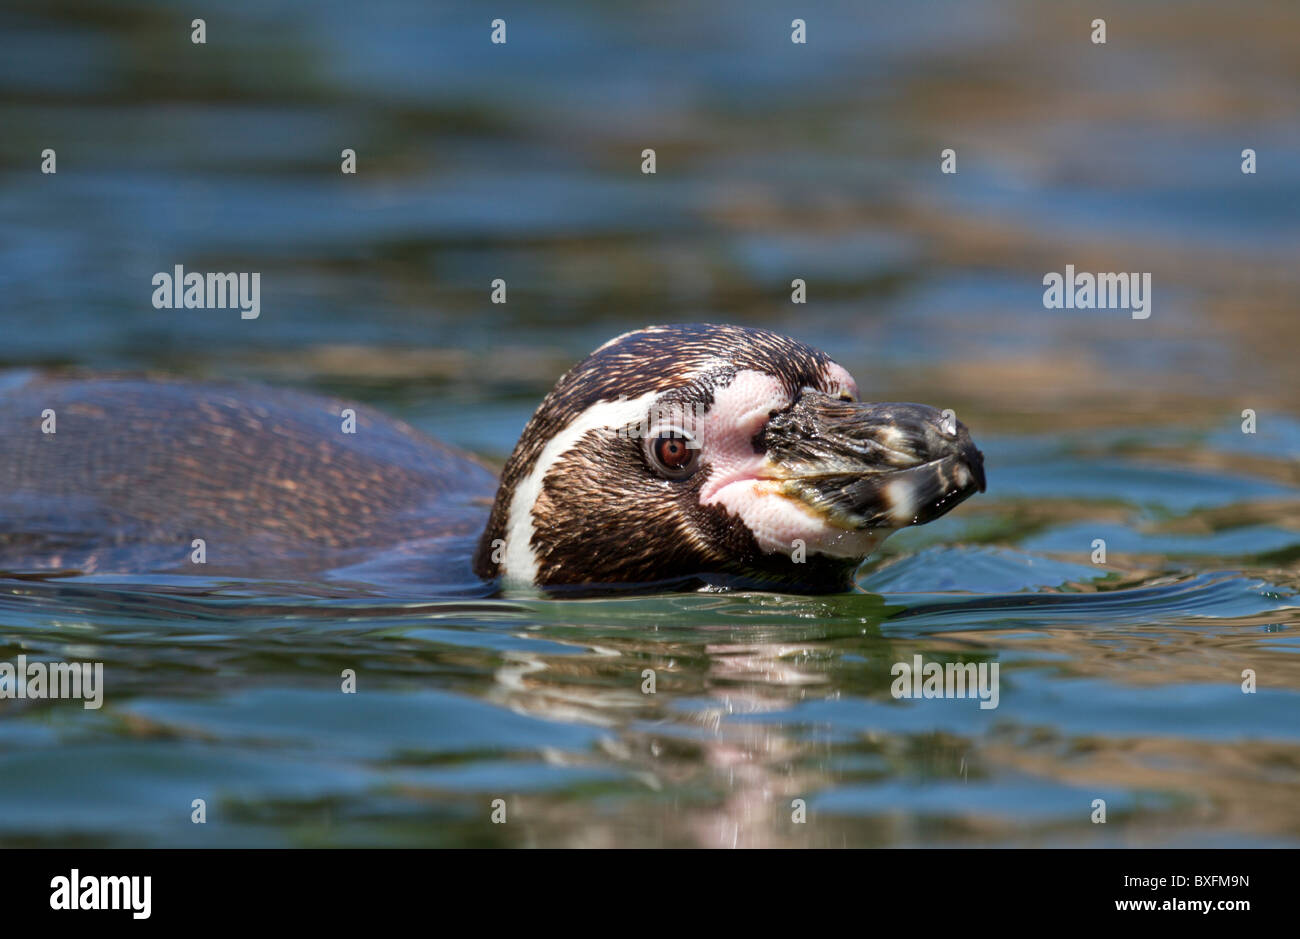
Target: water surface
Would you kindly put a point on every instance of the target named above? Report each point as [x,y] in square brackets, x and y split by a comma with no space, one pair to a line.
[1120,680]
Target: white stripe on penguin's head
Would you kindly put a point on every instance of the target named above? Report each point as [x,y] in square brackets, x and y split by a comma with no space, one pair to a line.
[519,563]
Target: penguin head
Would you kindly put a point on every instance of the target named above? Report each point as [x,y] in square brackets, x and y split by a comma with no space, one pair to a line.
[715,455]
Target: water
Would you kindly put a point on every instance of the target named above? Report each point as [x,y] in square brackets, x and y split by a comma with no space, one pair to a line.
[1119,680]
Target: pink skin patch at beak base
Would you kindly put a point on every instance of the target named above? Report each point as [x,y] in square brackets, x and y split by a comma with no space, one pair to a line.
[740,480]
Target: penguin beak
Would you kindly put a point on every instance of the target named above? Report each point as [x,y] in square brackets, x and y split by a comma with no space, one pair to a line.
[863,466]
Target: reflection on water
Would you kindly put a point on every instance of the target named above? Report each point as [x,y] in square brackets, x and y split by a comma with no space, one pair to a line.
[1130,695]
[1120,679]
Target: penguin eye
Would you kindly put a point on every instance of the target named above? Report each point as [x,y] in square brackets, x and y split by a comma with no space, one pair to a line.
[673,454]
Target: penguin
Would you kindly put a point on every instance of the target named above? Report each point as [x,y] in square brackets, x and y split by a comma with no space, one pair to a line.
[688,456]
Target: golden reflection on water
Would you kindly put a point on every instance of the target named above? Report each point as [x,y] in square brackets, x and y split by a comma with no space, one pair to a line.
[719,737]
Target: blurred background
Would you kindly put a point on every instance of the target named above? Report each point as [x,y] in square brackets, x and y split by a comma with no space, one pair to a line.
[775,161]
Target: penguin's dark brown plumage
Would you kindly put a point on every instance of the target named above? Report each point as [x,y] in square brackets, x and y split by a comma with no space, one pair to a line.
[671,455]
